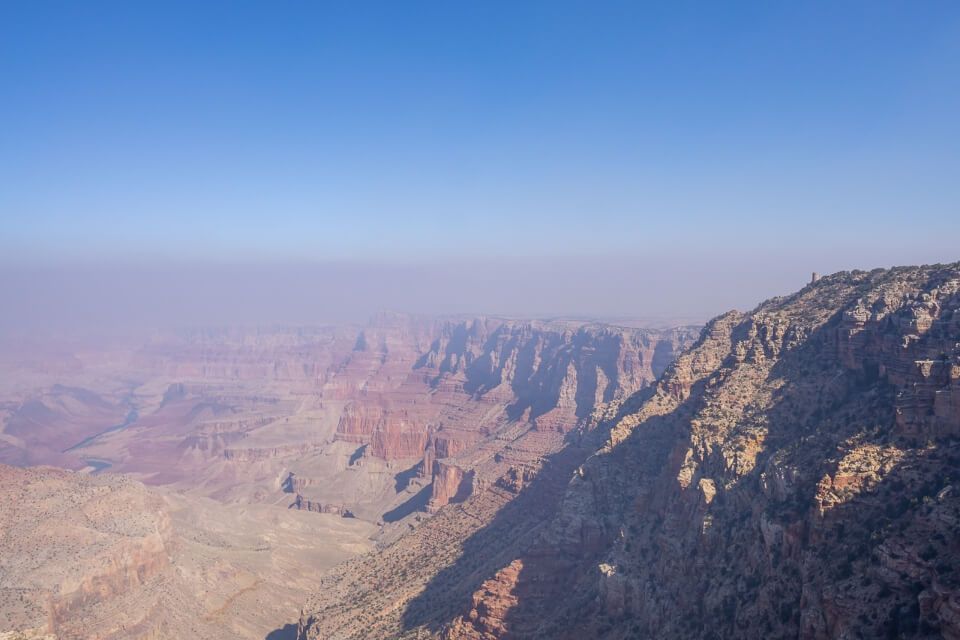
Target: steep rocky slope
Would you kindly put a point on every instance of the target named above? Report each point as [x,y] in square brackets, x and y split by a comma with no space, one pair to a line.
[792,475]
[115,534]
[105,557]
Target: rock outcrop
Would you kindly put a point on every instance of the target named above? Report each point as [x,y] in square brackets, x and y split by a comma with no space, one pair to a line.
[72,543]
[304,504]
[299,356]
[103,556]
[792,476]
[450,484]
[268,453]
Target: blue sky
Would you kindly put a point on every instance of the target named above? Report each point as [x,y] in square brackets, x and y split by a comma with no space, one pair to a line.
[417,131]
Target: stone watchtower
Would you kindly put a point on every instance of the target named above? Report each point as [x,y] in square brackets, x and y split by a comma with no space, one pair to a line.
[814,277]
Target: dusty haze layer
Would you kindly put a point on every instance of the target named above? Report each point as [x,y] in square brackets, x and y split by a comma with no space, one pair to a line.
[660,287]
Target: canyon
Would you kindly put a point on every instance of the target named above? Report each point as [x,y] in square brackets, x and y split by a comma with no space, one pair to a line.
[479,320]
[792,474]
[790,471]
[200,483]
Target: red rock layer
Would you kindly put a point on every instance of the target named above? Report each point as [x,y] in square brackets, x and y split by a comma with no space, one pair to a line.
[450,484]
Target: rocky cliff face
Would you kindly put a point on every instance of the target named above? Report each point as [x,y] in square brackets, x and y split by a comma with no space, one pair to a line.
[793,474]
[106,557]
[74,543]
[550,374]
[553,373]
[437,392]
[450,484]
[391,433]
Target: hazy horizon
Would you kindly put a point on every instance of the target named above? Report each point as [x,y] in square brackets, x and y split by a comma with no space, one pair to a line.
[651,289]
[184,164]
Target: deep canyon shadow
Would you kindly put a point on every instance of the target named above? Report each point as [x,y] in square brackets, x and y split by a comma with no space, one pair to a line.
[417,503]
[509,535]
[286,632]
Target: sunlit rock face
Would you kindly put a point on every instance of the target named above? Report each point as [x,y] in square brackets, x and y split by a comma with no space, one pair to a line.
[73,543]
[104,556]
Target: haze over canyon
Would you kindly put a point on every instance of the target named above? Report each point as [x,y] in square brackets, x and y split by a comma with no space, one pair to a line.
[788,471]
[539,320]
